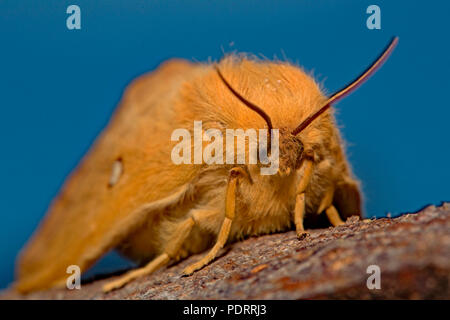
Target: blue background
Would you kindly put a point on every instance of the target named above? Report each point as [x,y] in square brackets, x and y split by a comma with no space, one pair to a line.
[58,87]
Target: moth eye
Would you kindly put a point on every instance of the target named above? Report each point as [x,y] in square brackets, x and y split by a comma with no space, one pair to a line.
[299,154]
[301,146]
[116,172]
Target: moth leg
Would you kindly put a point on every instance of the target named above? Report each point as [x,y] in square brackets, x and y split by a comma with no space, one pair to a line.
[333,216]
[230,208]
[170,251]
[330,210]
[299,212]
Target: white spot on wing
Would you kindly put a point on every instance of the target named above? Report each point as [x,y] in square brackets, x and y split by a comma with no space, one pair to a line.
[116,172]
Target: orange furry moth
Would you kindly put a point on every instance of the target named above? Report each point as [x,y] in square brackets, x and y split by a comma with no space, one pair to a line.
[127,194]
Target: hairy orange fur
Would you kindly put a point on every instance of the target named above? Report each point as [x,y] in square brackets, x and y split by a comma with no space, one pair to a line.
[141,211]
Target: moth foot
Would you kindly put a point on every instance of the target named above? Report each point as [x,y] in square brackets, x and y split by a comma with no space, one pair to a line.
[302,235]
[112,285]
[189,270]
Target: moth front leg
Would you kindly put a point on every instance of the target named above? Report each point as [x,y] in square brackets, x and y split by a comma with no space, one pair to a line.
[299,212]
[230,209]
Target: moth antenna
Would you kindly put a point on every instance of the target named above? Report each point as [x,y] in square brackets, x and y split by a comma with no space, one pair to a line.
[250,105]
[351,87]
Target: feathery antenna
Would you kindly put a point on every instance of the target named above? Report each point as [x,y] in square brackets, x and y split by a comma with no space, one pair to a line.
[351,87]
[250,105]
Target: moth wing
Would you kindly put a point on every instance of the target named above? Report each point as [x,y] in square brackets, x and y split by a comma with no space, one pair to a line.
[347,198]
[89,216]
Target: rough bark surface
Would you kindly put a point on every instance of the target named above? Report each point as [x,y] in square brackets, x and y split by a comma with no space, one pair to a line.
[412,251]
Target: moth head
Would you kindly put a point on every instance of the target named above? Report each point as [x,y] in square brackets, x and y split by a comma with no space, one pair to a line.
[290,154]
[291,146]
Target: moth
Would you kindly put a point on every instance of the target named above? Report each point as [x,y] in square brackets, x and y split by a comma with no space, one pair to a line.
[127,194]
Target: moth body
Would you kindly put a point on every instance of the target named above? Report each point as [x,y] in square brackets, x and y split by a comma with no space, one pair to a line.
[266,204]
